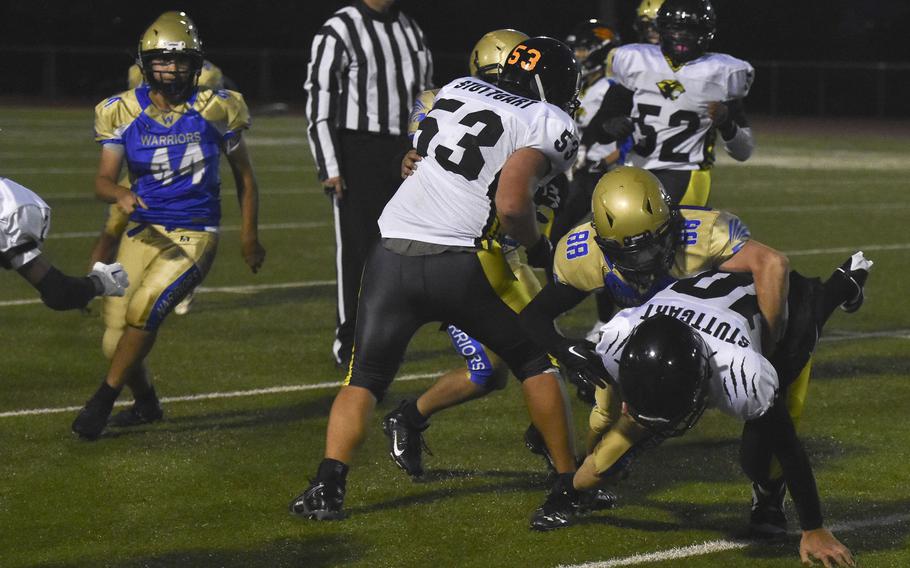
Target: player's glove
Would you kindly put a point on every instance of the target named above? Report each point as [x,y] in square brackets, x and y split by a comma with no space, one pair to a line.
[618,128]
[540,255]
[110,279]
[582,365]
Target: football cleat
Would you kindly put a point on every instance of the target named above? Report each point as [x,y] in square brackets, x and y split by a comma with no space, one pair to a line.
[406,442]
[185,304]
[320,502]
[595,500]
[138,414]
[92,419]
[856,269]
[559,509]
[767,518]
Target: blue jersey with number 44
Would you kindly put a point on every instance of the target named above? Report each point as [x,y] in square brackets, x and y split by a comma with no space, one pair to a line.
[173,156]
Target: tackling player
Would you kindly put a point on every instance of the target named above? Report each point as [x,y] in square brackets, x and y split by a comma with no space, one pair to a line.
[434,262]
[171,135]
[697,344]
[674,97]
[24,222]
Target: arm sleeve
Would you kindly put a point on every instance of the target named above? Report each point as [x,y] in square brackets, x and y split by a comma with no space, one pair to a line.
[776,429]
[328,59]
[617,102]
[62,292]
[537,317]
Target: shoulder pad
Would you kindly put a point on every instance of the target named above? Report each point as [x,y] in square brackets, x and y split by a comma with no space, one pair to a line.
[114,114]
[577,261]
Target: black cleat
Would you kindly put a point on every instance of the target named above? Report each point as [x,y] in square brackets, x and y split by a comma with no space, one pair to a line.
[856,270]
[767,519]
[559,510]
[137,414]
[595,500]
[406,442]
[92,419]
[320,502]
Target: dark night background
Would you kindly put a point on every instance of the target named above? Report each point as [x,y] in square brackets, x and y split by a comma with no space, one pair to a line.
[811,41]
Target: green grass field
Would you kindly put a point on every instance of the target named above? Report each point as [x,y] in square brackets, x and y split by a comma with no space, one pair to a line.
[209,486]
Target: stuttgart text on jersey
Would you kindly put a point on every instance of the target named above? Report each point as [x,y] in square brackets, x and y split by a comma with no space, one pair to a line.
[718,328]
[495,94]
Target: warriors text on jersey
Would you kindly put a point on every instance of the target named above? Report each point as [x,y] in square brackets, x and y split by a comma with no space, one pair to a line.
[670,105]
[173,156]
[465,140]
[24,221]
[710,237]
[723,308]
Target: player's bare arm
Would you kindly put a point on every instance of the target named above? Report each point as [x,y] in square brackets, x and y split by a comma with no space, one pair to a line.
[770,270]
[520,175]
[106,187]
[248,196]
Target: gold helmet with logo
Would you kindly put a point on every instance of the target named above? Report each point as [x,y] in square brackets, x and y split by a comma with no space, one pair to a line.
[646,21]
[172,37]
[637,227]
[490,53]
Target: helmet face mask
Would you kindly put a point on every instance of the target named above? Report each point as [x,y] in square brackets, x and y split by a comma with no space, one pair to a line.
[664,372]
[686,28]
[170,55]
[637,228]
[543,69]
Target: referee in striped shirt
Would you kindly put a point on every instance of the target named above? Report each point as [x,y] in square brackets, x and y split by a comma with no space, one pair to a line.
[367,64]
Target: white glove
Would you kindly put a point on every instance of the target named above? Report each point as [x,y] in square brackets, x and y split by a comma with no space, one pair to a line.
[113,278]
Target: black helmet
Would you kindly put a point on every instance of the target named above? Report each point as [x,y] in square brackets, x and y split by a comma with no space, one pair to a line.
[663,375]
[686,27]
[543,69]
[592,40]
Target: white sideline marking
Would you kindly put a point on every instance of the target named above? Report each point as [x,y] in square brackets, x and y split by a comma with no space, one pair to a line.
[88,196]
[212,395]
[224,228]
[712,546]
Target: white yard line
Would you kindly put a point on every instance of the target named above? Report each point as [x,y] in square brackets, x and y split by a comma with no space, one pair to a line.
[213,395]
[224,228]
[713,546]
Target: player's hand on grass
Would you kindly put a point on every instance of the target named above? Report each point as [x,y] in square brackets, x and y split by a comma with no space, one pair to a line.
[821,544]
[409,163]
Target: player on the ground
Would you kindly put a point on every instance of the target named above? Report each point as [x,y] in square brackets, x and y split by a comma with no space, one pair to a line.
[674,97]
[25,220]
[638,243]
[105,247]
[170,133]
[699,343]
[434,263]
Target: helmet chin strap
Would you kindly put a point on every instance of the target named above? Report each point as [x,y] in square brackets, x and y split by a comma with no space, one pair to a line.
[540,91]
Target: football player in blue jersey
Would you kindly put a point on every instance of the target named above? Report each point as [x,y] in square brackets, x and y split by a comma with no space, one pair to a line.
[105,247]
[171,134]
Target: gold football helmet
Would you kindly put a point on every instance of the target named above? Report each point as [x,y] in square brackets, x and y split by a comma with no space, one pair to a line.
[646,21]
[490,53]
[172,37]
[637,227]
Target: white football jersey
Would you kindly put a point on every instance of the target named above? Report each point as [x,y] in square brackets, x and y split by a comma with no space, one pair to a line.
[24,218]
[670,106]
[722,307]
[466,139]
[591,98]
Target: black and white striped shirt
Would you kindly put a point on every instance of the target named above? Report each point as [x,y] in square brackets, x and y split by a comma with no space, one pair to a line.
[365,71]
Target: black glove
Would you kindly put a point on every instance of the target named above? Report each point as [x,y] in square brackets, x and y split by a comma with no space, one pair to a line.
[618,128]
[540,255]
[582,365]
